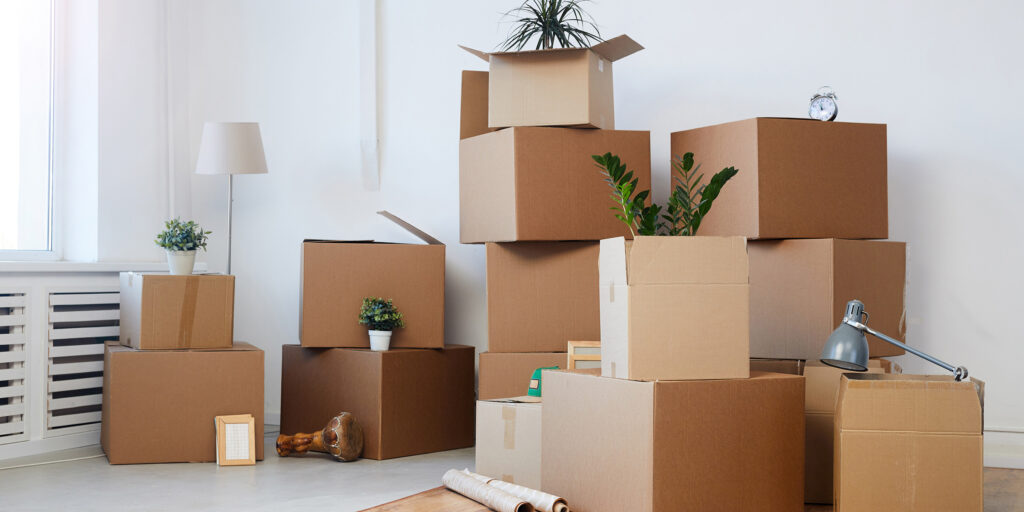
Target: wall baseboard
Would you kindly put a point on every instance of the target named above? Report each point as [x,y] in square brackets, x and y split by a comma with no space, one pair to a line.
[48,445]
[271,419]
[1004,449]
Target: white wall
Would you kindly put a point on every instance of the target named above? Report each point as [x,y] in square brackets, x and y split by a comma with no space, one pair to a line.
[941,74]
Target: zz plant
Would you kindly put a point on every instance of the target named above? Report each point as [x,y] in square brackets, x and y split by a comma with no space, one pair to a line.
[182,236]
[687,206]
[380,314]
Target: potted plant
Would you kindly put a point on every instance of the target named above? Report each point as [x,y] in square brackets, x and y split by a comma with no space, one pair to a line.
[553,21]
[180,240]
[382,317]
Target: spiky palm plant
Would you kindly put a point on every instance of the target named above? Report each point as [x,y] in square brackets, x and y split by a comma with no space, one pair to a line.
[552,21]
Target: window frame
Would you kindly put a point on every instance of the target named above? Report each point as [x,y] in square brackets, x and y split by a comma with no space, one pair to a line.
[55,251]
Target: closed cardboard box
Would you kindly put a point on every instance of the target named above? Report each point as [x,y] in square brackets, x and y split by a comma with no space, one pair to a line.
[508,440]
[908,443]
[541,184]
[540,295]
[159,405]
[822,388]
[554,87]
[674,308]
[161,311]
[680,446]
[799,290]
[408,401]
[506,375]
[798,178]
[336,276]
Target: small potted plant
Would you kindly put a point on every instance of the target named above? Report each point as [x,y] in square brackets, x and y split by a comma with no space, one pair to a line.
[180,240]
[382,317]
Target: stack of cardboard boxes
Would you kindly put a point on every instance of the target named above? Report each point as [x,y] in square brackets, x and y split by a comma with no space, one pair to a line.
[529,190]
[176,369]
[416,397]
[709,344]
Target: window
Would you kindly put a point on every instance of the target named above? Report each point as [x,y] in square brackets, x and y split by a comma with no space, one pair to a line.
[26,114]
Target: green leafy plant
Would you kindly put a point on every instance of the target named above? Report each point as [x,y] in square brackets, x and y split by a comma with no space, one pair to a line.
[380,314]
[689,202]
[632,209]
[552,21]
[182,236]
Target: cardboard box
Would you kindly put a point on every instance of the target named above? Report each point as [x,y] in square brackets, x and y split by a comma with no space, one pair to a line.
[822,388]
[159,405]
[908,443]
[161,311]
[614,444]
[799,178]
[540,295]
[506,375]
[473,120]
[674,308]
[337,275]
[555,87]
[799,290]
[408,401]
[541,184]
[508,433]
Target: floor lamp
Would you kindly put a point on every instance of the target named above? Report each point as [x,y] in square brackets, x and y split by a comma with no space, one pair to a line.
[231,148]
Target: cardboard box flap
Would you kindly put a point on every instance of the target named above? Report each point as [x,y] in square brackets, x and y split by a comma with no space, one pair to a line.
[611,49]
[670,260]
[935,404]
[516,400]
[612,264]
[239,346]
[473,109]
[617,48]
[418,233]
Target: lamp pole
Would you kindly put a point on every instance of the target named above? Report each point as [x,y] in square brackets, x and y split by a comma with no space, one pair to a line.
[959,372]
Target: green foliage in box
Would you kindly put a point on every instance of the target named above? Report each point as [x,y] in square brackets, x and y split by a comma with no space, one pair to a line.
[182,236]
[380,314]
[552,21]
[689,202]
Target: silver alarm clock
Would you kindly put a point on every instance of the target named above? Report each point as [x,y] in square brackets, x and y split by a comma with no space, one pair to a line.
[823,105]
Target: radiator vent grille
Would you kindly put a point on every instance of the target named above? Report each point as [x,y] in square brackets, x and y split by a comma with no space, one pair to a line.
[80,322]
[13,340]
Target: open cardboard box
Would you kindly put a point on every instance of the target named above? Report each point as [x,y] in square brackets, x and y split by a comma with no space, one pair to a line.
[616,444]
[540,295]
[798,178]
[160,405]
[908,443]
[337,275]
[508,440]
[799,290]
[162,311]
[408,401]
[553,87]
[541,184]
[674,308]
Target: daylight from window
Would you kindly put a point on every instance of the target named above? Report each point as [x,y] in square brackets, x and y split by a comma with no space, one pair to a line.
[25,99]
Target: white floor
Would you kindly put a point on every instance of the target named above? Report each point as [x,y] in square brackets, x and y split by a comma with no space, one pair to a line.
[312,482]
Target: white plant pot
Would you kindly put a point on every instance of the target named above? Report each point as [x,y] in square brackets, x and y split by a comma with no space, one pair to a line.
[380,340]
[181,262]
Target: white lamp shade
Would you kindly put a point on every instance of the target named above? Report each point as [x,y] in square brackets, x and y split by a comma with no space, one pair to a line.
[231,148]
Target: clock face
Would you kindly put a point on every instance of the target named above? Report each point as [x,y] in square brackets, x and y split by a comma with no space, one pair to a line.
[823,108]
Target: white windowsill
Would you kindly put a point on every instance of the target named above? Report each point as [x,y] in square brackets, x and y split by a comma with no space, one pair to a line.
[89,266]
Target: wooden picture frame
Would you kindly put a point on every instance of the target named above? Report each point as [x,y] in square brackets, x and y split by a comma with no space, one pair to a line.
[236,440]
[574,354]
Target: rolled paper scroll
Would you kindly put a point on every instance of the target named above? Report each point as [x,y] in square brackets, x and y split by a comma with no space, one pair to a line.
[486,495]
[540,500]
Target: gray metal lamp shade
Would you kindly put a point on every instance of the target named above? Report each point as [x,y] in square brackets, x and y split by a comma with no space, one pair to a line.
[846,349]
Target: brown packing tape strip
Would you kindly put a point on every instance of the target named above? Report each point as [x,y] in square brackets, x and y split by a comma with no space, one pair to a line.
[508,414]
[188,311]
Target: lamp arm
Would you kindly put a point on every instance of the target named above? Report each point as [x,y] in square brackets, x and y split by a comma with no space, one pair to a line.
[959,373]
